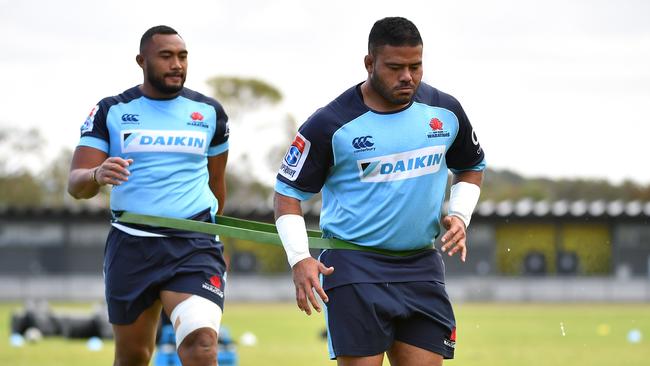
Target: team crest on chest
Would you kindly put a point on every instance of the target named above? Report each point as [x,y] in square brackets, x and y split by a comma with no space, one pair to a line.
[437,129]
[197,120]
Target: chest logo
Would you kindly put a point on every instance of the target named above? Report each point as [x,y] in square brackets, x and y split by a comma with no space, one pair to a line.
[197,120]
[404,165]
[363,143]
[192,142]
[436,129]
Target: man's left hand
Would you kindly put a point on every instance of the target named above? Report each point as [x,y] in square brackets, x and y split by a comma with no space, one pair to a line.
[454,239]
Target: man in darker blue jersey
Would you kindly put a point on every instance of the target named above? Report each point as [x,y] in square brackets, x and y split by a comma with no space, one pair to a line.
[164,149]
[380,155]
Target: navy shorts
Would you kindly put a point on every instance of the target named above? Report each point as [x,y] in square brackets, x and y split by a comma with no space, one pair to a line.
[137,268]
[364,319]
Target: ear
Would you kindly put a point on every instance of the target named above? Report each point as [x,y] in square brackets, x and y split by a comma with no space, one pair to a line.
[368,62]
[140,60]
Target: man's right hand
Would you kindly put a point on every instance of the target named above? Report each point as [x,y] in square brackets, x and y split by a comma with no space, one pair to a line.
[306,279]
[113,170]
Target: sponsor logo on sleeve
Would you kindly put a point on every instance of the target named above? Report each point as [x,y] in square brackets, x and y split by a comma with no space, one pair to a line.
[89,122]
[295,158]
[191,142]
[404,165]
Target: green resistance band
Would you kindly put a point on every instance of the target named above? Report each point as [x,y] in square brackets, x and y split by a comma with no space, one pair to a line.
[255,231]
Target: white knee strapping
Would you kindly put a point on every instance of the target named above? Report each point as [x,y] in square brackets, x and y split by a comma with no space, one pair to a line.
[193,313]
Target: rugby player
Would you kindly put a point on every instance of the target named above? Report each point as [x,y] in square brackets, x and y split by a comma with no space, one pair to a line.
[380,154]
[164,149]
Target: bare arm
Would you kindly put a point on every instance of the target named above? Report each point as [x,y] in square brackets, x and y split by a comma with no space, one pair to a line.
[92,168]
[454,239]
[283,205]
[217,178]
[470,176]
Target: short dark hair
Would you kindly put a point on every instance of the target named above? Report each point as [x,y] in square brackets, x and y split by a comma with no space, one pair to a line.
[393,31]
[159,29]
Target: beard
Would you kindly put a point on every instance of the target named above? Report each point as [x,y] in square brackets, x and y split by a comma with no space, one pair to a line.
[158,82]
[388,93]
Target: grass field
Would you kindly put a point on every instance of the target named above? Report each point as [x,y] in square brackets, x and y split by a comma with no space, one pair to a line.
[488,335]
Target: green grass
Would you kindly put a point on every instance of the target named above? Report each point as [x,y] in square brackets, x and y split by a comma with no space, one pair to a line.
[488,335]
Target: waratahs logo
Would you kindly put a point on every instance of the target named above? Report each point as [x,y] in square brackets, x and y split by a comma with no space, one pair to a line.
[405,165]
[435,124]
[436,129]
[196,116]
[215,286]
[197,120]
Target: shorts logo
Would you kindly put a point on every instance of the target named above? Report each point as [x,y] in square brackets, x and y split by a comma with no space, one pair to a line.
[295,158]
[89,122]
[191,142]
[130,117]
[214,286]
[436,129]
[451,341]
[405,165]
[362,142]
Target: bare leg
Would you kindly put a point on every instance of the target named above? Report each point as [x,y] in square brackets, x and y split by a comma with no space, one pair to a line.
[403,354]
[134,343]
[375,360]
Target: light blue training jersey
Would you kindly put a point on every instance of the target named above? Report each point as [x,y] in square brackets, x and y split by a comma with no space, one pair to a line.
[382,175]
[169,142]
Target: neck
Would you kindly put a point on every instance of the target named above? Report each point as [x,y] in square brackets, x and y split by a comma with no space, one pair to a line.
[150,92]
[376,101]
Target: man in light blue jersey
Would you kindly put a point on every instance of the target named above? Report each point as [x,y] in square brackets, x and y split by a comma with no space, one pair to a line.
[163,148]
[380,154]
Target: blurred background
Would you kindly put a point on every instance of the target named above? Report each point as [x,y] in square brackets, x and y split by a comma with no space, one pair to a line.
[558,92]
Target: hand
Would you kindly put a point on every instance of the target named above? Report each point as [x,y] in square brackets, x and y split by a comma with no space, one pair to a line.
[113,171]
[454,238]
[305,278]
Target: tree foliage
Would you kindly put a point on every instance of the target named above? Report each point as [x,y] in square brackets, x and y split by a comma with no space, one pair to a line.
[242,95]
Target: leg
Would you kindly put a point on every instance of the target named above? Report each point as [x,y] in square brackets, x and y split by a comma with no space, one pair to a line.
[135,342]
[198,348]
[404,354]
[375,360]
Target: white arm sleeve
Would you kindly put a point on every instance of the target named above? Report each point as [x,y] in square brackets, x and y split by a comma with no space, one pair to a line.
[462,200]
[293,233]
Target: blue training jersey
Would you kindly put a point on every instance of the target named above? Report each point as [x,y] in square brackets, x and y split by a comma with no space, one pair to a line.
[169,142]
[382,175]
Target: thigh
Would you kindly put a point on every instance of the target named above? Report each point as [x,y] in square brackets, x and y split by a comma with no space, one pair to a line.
[403,354]
[135,342]
[360,319]
[375,360]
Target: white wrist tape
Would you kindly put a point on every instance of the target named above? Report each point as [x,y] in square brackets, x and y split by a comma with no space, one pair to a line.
[462,200]
[293,233]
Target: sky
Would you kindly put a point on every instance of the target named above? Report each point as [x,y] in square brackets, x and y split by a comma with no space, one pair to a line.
[553,88]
